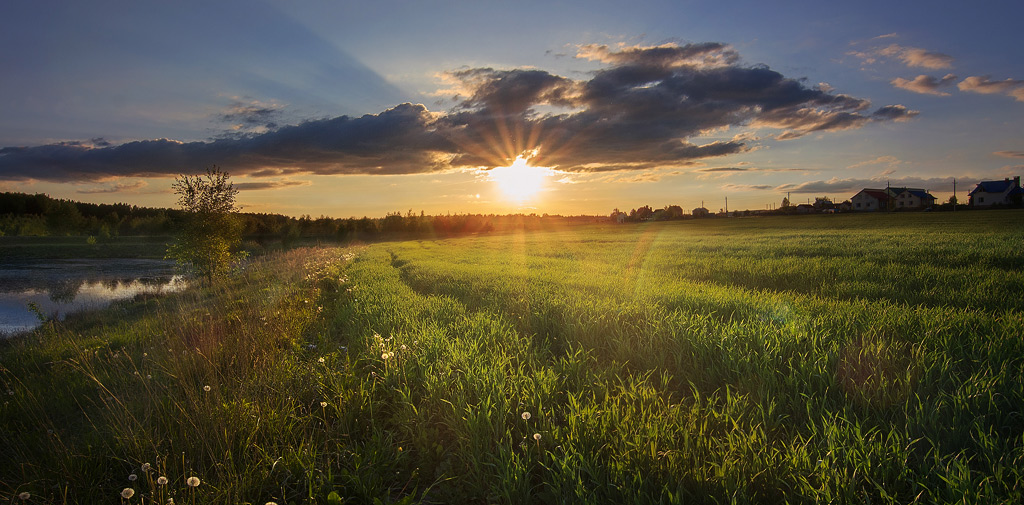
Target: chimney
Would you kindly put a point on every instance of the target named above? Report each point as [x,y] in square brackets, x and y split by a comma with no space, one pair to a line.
[1016,181]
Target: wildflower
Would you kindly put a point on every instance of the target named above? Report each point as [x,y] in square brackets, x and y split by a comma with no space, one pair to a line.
[384,356]
[161,480]
[24,495]
[270,503]
[146,467]
[206,388]
[127,493]
[526,416]
[133,477]
[536,436]
[193,481]
[323,404]
[321,359]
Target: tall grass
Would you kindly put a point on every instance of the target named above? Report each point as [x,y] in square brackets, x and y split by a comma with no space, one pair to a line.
[837,359]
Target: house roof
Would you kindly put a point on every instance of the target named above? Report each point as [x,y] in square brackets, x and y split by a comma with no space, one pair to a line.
[992,186]
[877,194]
[924,195]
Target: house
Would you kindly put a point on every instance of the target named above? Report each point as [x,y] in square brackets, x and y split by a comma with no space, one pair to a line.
[989,193]
[701,212]
[868,200]
[911,199]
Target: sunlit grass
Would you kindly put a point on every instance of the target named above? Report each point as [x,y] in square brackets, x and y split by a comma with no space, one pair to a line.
[834,359]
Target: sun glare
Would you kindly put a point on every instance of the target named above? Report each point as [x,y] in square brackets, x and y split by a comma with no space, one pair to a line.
[519,181]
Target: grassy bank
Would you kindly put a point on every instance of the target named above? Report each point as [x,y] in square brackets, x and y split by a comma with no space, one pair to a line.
[74,247]
[837,359]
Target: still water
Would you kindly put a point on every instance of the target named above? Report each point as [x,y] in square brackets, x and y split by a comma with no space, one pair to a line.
[60,287]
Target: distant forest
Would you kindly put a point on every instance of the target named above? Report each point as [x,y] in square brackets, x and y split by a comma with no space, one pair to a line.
[23,214]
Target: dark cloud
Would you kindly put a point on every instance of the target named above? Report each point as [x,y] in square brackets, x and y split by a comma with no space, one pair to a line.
[1010,154]
[747,187]
[644,110]
[925,84]
[252,186]
[724,169]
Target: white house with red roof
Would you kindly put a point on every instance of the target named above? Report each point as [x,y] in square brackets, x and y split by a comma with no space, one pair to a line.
[868,200]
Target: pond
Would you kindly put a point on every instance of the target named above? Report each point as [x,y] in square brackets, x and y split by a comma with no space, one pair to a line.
[56,288]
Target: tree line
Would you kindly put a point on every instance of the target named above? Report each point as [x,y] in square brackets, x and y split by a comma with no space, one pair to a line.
[23,214]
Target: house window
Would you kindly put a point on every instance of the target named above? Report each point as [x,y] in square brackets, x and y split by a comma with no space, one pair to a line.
[981,199]
[858,205]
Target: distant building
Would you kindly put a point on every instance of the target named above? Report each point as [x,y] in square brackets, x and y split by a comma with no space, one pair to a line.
[989,193]
[701,212]
[868,200]
[911,199]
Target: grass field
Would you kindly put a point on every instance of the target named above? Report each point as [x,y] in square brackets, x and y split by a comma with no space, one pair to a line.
[817,359]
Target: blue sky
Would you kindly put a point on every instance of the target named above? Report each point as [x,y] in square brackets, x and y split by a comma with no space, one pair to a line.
[302,101]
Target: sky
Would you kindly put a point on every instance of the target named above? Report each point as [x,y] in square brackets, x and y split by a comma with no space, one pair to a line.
[361,108]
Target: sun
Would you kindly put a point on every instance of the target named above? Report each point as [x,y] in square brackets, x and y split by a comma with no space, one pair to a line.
[519,181]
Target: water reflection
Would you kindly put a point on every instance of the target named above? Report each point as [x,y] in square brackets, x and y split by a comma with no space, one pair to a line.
[58,288]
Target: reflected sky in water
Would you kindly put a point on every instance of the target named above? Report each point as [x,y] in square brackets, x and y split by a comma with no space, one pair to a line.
[61,287]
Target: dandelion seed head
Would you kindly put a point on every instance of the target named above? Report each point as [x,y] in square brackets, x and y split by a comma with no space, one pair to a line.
[24,495]
[526,416]
[323,404]
[321,359]
[206,388]
[536,436]
[127,493]
[193,481]
[161,480]
[133,477]
[146,467]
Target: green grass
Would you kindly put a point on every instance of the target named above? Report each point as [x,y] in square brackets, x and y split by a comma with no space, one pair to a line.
[73,247]
[817,359]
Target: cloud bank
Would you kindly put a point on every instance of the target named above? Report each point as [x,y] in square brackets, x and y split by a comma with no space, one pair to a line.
[645,108]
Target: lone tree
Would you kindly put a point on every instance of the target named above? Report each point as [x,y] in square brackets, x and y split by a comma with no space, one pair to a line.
[211,231]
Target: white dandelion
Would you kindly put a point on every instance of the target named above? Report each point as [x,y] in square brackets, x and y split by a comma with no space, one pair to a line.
[193,481]
[206,388]
[127,493]
[24,495]
[536,436]
[161,480]
[133,477]
[526,416]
